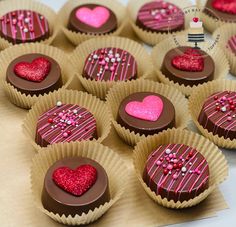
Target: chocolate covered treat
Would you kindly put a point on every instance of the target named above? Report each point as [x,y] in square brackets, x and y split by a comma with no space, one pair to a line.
[92,19]
[218,114]
[176,172]
[74,186]
[34,74]
[160,16]
[188,66]
[146,113]
[232,44]
[224,10]
[21,26]
[65,123]
[110,64]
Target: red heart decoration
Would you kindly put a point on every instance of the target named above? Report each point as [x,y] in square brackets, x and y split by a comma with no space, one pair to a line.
[191,61]
[35,71]
[227,6]
[77,181]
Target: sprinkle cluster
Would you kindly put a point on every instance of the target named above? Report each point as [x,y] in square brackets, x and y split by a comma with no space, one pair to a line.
[108,60]
[226,105]
[64,119]
[173,165]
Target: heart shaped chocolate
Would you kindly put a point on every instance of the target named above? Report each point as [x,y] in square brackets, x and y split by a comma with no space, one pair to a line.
[149,109]
[191,61]
[77,181]
[227,6]
[36,71]
[96,17]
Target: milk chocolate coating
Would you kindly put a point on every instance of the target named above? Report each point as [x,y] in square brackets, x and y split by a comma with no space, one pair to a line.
[216,120]
[53,80]
[217,14]
[184,77]
[78,26]
[12,27]
[56,200]
[176,184]
[165,121]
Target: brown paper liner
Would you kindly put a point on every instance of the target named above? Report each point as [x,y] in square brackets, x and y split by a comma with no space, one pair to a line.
[9,54]
[196,102]
[11,5]
[160,50]
[216,160]
[226,32]
[100,88]
[209,22]
[149,37]
[111,162]
[76,37]
[119,92]
[91,103]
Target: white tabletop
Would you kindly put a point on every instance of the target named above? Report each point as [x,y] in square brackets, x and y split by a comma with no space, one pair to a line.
[225,218]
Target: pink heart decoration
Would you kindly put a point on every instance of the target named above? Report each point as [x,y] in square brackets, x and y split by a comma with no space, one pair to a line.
[93,17]
[149,109]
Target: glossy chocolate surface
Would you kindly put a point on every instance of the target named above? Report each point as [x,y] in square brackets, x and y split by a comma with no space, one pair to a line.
[57,200]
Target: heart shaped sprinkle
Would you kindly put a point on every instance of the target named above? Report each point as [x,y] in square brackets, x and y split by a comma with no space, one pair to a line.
[35,71]
[190,61]
[149,109]
[227,6]
[96,17]
[77,181]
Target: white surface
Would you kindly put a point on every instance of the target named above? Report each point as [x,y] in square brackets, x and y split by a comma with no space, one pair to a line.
[225,218]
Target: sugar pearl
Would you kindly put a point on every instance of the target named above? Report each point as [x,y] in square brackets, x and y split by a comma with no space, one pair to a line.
[168,151]
[184,169]
[59,103]
[27,20]
[26,30]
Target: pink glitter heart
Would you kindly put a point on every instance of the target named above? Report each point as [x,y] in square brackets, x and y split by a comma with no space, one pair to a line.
[149,109]
[93,17]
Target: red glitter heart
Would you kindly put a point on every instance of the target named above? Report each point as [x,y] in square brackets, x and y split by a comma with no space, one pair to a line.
[191,61]
[227,6]
[77,181]
[35,71]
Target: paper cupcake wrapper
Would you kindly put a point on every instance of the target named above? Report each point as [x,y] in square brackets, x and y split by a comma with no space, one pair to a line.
[11,5]
[98,108]
[100,88]
[121,91]
[149,37]
[226,32]
[160,50]
[76,37]
[216,160]
[209,22]
[8,55]
[107,158]
[196,102]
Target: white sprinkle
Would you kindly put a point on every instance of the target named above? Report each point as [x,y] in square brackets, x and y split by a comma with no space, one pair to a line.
[170,172]
[183,169]
[183,174]
[25,30]
[113,60]
[118,59]
[68,122]
[190,171]
[75,111]
[183,159]
[117,55]
[168,151]
[90,59]
[27,20]
[52,126]
[80,116]
[59,103]
[77,125]
[163,11]
[223,109]
[107,59]
[95,56]
[190,163]
[41,17]
[110,52]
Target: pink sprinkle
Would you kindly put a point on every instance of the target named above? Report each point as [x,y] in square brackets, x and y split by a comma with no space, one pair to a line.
[102,62]
[170,155]
[164,165]
[175,176]
[229,118]
[158,17]
[158,162]
[65,134]
[224,98]
[170,167]
[106,67]
[60,115]
[175,160]
[112,68]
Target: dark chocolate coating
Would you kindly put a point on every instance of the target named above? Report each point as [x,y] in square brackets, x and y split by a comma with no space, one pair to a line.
[184,77]
[216,120]
[165,121]
[78,26]
[84,127]
[12,27]
[171,20]
[217,14]
[56,200]
[176,184]
[52,82]
[125,66]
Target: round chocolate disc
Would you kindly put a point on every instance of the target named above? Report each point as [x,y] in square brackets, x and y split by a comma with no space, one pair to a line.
[110,64]
[176,172]
[188,66]
[21,26]
[59,201]
[92,19]
[34,74]
[146,113]
[160,16]
[218,114]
